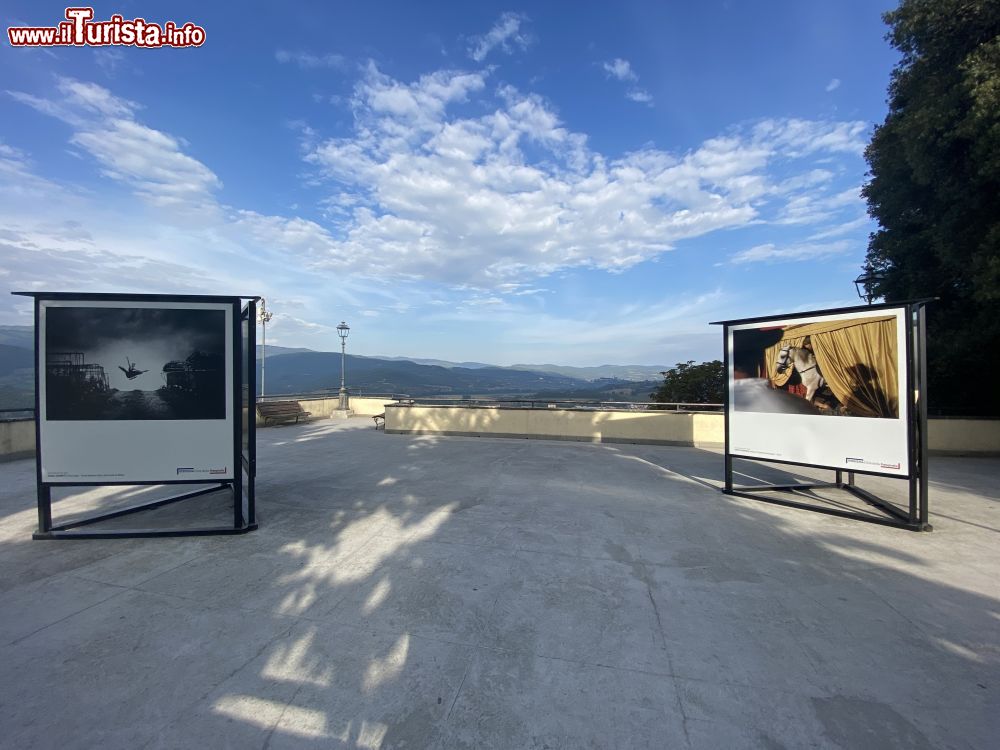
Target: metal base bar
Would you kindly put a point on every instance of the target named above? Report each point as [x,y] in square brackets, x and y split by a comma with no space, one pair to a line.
[65,530]
[136,508]
[144,533]
[894,517]
[788,487]
[878,502]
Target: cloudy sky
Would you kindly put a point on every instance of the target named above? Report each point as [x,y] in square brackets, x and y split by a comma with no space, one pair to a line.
[576,183]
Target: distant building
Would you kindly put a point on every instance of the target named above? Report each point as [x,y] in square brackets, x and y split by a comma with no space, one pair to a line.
[72,365]
[192,374]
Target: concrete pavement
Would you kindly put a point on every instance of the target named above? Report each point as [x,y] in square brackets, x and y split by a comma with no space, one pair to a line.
[429,592]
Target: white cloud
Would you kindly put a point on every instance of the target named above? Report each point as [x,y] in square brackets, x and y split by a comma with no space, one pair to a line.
[301,237]
[797,138]
[833,85]
[771,253]
[446,189]
[310,61]
[109,60]
[620,69]
[18,180]
[843,228]
[505,34]
[423,193]
[456,198]
[96,99]
[79,102]
[152,163]
[283,323]
[63,255]
[664,332]
[814,206]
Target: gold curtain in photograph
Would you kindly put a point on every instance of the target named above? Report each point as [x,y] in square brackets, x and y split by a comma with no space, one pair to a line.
[858,358]
[779,379]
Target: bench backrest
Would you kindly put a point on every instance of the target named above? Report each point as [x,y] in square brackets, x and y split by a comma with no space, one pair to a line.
[279,407]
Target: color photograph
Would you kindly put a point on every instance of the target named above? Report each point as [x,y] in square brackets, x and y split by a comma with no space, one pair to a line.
[845,367]
[124,363]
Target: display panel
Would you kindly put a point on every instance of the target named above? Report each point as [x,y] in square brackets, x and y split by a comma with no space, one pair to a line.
[248,383]
[245,376]
[135,391]
[825,390]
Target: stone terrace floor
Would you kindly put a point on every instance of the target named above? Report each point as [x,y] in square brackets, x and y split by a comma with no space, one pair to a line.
[426,592]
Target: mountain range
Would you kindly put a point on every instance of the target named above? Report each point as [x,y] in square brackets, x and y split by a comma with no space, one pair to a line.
[20,336]
[598,372]
[303,372]
[298,370]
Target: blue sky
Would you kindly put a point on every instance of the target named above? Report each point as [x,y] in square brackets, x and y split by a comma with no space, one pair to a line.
[576,183]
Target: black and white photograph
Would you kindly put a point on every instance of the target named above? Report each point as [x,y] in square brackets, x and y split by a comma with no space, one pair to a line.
[135,363]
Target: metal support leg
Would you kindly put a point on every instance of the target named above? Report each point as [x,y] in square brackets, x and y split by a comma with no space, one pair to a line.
[44,508]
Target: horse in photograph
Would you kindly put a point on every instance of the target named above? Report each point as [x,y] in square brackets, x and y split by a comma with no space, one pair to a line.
[804,362]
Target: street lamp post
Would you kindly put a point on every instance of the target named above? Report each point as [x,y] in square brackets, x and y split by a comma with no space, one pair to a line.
[265,317]
[867,282]
[343,330]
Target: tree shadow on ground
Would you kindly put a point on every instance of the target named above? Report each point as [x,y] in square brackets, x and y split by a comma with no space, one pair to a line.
[460,592]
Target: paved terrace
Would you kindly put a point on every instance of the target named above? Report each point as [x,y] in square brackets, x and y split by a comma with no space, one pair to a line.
[485,593]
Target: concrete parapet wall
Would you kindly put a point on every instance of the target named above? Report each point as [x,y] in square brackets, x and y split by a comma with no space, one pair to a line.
[621,426]
[321,408]
[945,436]
[17,439]
[964,437]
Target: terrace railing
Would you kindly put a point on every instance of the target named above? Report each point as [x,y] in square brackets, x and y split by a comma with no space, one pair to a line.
[486,402]
[17,415]
[540,403]
[328,393]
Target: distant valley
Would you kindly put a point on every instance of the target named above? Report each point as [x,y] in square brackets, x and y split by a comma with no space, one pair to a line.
[310,371]
[598,372]
[298,370]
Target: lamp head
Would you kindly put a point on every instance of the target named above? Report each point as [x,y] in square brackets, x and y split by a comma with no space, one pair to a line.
[865,284]
[343,329]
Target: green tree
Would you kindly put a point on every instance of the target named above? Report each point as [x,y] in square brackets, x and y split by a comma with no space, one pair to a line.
[688,383]
[934,189]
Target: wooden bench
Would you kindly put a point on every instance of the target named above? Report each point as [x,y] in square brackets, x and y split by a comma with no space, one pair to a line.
[378,417]
[281,411]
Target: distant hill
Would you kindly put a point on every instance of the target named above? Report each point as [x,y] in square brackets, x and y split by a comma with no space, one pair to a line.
[438,362]
[300,370]
[19,336]
[272,351]
[615,372]
[14,358]
[617,390]
[17,375]
[311,371]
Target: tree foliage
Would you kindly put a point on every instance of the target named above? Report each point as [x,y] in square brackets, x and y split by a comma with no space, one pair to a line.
[934,186]
[688,383]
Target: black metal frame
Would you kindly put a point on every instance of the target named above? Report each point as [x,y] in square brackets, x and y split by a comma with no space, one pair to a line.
[248,460]
[242,489]
[915,516]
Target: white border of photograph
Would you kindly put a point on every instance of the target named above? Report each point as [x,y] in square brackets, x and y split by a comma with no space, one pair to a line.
[851,443]
[136,450]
